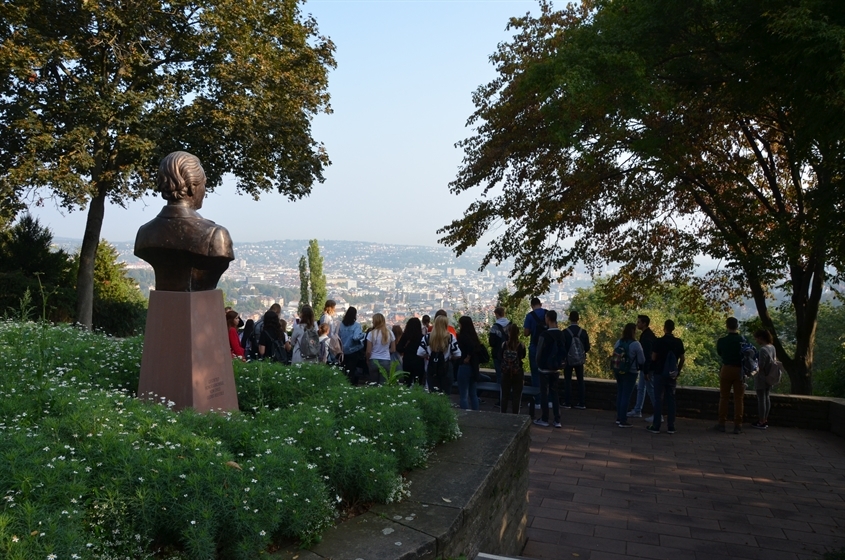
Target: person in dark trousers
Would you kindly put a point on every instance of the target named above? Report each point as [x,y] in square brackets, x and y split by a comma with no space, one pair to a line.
[668,359]
[729,348]
[644,386]
[496,337]
[549,362]
[574,364]
[533,325]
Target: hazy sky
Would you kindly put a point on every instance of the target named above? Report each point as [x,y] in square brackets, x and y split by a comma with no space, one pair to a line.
[401,96]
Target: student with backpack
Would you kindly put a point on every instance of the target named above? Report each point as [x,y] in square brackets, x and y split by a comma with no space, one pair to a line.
[438,348]
[577,345]
[407,345]
[305,340]
[497,336]
[352,341]
[627,359]
[533,326]
[551,356]
[272,342]
[512,354]
[668,358]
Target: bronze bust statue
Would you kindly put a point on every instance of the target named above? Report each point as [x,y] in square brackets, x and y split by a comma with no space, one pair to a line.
[187,252]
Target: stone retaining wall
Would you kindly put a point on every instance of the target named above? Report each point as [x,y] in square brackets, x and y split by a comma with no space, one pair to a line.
[793,411]
[473,496]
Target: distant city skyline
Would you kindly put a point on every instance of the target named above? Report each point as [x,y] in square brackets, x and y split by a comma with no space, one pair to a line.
[401,95]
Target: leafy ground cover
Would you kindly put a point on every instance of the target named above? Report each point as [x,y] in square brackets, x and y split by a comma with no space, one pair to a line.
[88,471]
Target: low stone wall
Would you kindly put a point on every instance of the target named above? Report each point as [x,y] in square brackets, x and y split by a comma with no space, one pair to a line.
[793,411]
[473,496]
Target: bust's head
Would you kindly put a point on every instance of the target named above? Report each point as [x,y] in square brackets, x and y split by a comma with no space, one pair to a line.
[181,179]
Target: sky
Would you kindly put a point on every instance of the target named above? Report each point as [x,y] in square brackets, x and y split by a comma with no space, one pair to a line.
[401,96]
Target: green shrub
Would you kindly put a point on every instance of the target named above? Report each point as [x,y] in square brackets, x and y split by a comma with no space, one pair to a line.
[88,470]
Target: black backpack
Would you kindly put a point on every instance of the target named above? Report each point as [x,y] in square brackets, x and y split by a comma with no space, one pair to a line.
[437,364]
[554,351]
[496,338]
[278,353]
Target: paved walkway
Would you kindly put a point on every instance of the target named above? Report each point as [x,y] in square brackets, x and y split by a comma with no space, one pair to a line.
[599,492]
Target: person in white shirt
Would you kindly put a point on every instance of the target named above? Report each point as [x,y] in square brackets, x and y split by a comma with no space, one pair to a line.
[380,345]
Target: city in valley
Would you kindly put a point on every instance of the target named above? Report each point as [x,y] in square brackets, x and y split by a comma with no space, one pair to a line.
[399,281]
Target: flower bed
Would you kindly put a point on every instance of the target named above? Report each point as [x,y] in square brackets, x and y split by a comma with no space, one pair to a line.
[90,472]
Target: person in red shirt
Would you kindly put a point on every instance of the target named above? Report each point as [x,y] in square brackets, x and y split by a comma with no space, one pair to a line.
[234,340]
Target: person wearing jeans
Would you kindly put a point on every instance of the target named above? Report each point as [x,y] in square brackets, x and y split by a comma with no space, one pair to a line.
[467,388]
[664,382]
[533,327]
[571,332]
[644,382]
[626,376]
[550,356]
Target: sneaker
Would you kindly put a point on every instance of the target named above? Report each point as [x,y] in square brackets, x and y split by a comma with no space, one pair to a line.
[538,406]
[550,404]
[737,429]
[581,407]
[625,425]
[566,406]
[633,414]
[653,430]
[760,425]
[618,422]
[719,428]
[651,418]
[541,422]
[670,431]
[557,425]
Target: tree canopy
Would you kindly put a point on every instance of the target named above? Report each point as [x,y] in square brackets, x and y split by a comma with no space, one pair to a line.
[93,93]
[316,277]
[647,133]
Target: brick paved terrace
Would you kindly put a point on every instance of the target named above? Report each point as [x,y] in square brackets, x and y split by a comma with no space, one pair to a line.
[599,492]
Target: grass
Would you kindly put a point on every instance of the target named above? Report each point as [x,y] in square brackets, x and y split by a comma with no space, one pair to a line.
[88,471]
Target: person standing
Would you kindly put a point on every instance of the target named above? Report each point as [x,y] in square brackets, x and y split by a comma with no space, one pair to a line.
[644,381]
[305,340]
[632,358]
[380,345]
[407,346]
[468,367]
[272,343]
[513,378]
[439,347]
[577,345]
[668,358]
[550,359]
[232,320]
[768,355]
[729,348]
[497,336]
[352,339]
[533,326]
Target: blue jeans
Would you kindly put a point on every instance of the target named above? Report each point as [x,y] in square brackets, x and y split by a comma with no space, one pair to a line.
[532,363]
[644,386]
[567,385]
[664,387]
[548,390]
[466,388]
[624,388]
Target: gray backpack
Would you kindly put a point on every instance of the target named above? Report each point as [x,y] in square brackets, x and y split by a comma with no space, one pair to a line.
[309,344]
[576,355]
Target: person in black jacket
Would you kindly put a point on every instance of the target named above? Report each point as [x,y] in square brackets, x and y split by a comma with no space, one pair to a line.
[644,382]
[573,364]
[407,346]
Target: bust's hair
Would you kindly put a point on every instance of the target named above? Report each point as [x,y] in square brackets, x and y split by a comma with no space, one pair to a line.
[179,173]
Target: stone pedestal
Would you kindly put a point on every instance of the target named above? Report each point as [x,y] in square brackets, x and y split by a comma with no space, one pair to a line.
[186,356]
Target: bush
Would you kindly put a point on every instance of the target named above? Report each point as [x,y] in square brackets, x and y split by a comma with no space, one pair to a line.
[90,471]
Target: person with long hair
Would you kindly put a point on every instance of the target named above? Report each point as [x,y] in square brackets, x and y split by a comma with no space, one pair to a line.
[305,340]
[271,335]
[407,345]
[380,344]
[248,341]
[513,377]
[352,339]
[438,348]
[468,367]
[768,355]
[234,340]
[633,359]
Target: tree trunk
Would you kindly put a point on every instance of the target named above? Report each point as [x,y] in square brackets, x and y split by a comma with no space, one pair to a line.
[87,254]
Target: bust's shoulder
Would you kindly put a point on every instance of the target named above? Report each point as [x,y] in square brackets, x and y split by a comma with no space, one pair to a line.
[220,242]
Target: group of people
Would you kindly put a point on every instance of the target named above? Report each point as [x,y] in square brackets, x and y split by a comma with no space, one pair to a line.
[434,354]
